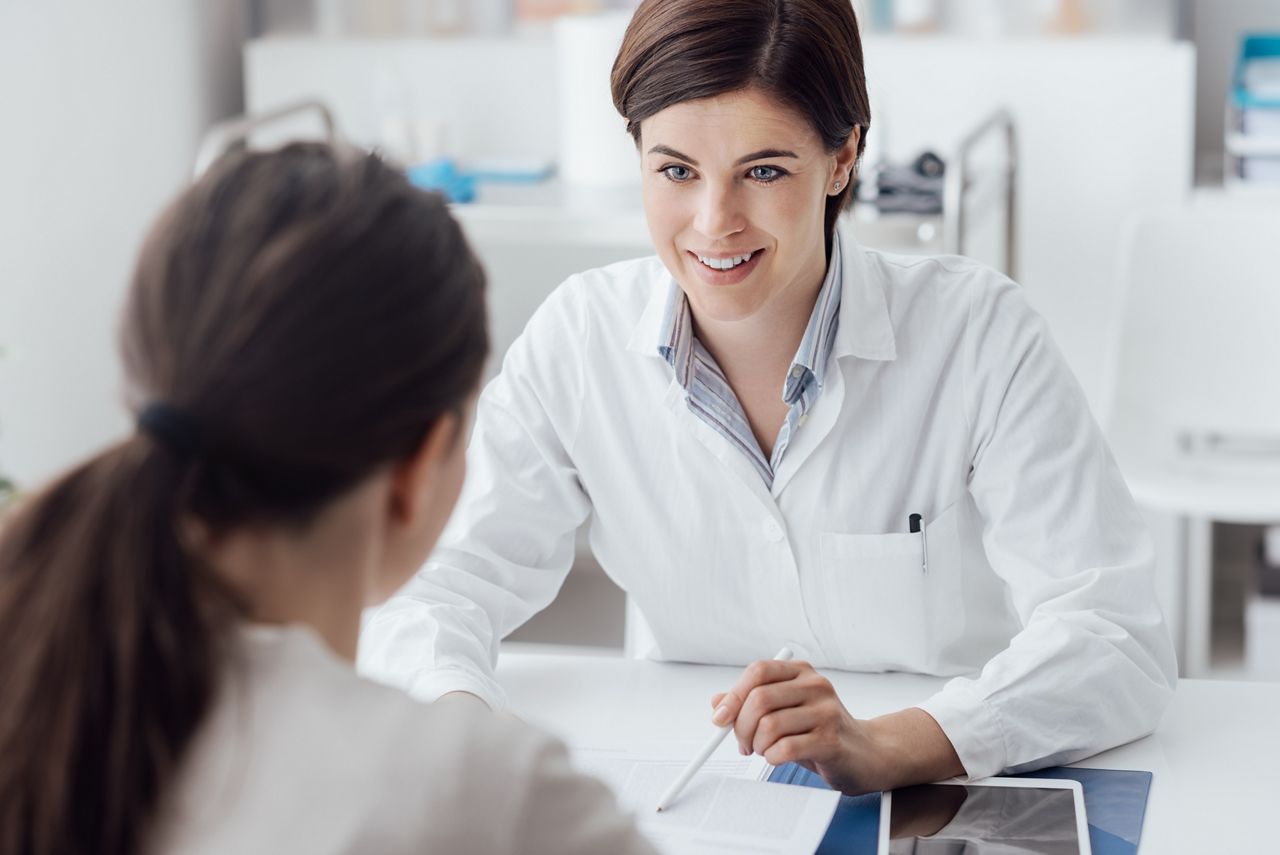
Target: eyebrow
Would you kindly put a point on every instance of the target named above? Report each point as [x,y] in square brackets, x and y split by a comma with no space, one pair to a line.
[755,155]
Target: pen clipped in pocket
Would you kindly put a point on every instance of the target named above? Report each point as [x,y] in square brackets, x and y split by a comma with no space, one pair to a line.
[894,596]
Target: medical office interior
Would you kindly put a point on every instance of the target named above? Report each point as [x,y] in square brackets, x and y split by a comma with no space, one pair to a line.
[1119,158]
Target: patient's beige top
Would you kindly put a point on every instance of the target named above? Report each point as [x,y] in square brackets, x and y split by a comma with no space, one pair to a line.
[300,755]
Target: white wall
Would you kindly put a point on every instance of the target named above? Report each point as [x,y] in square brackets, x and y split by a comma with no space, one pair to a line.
[101,106]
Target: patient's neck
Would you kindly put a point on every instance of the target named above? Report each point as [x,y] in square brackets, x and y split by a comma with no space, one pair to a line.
[315,576]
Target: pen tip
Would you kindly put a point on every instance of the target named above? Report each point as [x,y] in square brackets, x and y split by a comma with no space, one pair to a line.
[659,808]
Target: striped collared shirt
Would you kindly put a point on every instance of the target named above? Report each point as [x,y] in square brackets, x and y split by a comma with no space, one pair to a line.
[708,392]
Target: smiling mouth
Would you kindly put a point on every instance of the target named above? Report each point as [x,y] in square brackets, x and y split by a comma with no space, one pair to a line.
[725,262]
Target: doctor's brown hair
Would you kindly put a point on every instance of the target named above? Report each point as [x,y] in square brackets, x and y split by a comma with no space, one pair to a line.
[302,318]
[807,53]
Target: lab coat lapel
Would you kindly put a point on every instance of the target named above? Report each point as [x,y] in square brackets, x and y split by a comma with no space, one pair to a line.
[644,341]
[721,449]
[865,331]
[822,418]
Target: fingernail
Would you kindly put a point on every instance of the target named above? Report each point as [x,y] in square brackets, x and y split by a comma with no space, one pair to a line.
[721,715]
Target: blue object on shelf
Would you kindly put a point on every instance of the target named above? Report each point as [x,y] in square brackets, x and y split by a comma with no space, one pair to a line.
[882,16]
[442,175]
[1253,47]
[511,170]
[459,185]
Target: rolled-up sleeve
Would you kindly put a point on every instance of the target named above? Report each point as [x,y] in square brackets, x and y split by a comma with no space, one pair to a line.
[1093,665]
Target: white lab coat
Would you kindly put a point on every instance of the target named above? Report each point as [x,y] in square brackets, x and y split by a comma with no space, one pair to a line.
[945,397]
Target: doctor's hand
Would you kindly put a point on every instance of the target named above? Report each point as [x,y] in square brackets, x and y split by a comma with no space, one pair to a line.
[789,713]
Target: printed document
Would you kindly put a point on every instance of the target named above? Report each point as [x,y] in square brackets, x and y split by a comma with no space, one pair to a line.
[727,807]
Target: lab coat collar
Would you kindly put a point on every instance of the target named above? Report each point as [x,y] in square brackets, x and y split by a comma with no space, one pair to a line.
[865,329]
[649,330]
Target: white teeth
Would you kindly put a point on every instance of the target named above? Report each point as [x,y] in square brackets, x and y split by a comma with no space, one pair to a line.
[725,263]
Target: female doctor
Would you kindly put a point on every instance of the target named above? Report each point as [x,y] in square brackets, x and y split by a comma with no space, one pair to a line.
[750,423]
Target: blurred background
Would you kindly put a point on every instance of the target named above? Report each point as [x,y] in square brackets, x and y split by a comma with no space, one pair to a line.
[1119,158]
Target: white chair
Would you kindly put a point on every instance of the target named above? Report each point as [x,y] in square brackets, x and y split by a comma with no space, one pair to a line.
[1194,413]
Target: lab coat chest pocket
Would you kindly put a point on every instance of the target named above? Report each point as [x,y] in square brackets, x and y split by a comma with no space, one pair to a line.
[887,612]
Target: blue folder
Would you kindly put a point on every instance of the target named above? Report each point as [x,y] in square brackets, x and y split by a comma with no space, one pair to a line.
[1115,802]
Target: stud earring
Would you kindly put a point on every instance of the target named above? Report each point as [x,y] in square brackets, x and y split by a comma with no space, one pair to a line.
[837,186]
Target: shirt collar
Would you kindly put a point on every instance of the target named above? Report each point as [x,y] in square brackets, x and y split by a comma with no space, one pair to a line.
[675,336]
[810,362]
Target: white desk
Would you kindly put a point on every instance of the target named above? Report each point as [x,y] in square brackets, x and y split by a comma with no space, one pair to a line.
[1214,756]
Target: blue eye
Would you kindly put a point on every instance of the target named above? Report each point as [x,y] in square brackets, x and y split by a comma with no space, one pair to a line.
[766,174]
[677,173]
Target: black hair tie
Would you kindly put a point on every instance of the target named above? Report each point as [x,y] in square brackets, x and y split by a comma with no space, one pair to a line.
[171,427]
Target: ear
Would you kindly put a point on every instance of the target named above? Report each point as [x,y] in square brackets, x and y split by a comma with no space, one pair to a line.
[413,478]
[846,158]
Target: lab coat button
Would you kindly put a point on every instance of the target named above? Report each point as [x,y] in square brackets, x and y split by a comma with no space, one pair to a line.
[772,530]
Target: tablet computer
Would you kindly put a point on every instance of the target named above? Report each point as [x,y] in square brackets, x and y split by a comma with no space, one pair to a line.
[1032,815]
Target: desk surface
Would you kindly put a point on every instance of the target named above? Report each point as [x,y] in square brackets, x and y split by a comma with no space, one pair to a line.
[1215,756]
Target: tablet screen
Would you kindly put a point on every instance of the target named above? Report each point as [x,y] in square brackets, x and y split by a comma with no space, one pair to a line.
[946,819]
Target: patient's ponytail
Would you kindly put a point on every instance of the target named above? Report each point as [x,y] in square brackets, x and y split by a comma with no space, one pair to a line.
[108,634]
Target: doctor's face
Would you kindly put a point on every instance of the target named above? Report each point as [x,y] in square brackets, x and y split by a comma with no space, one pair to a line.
[734,189]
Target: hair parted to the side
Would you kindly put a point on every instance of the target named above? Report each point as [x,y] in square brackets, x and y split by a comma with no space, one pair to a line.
[315,315]
[807,53]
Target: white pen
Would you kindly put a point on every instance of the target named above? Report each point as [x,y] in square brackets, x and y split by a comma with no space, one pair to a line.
[707,750]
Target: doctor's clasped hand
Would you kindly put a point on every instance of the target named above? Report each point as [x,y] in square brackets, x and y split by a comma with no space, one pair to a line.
[789,713]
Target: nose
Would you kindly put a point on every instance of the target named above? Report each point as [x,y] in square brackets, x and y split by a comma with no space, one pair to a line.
[719,214]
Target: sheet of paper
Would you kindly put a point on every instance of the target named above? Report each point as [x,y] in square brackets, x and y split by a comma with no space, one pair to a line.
[725,808]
